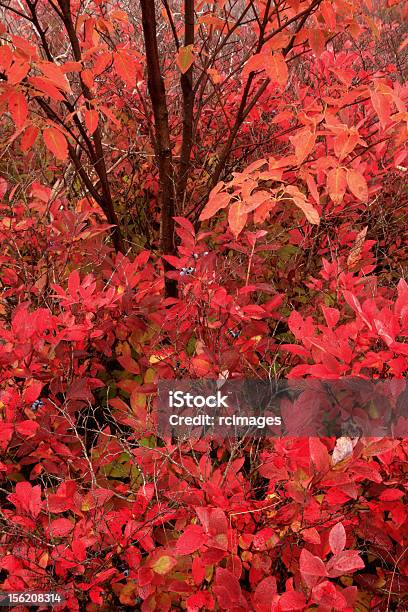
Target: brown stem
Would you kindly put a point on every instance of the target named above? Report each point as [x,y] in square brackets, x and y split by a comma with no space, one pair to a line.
[86,180]
[245,105]
[97,157]
[241,114]
[162,133]
[172,24]
[186,82]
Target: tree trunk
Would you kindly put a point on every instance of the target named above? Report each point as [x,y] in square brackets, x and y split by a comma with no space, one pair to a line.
[162,133]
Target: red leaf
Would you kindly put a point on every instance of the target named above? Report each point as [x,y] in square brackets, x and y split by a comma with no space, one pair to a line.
[61,527]
[91,120]
[198,570]
[18,108]
[329,14]
[27,428]
[126,66]
[264,593]
[345,562]
[95,499]
[391,495]
[299,199]
[356,250]
[6,433]
[79,390]
[27,499]
[87,78]
[95,595]
[311,536]
[216,202]
[63,499]
[46,87]
[255,62]
[237,218]
[145,575]
[253,311]
[29,137]
[291,601]
[200,365]
[73,66]
[74,282]
[378,447]
[303,142]
[129,364]
[344,143]
[106,111]
[104,575]
[173,261]
[191,540]
[311,568]
[32,391]
[55,74]
[227,588]
[337,538]
[357,185]
[382,105]
[3,187]
[186,224]
[56,142]
[17,72]
[332,315]
[6,54]
[319,455]
[336,184]
[217,522]
[326,594]
[119,404]
[200,600]
[262,538]
[276,68]
[295,349]
[352,301]
[317,41]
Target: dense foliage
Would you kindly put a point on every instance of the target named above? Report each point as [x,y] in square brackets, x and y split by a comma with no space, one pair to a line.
[199,189]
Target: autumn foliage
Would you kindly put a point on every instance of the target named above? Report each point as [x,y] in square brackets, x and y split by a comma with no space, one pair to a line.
[197,189]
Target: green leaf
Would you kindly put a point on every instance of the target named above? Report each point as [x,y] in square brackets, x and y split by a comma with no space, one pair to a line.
[185,58]
[163,565]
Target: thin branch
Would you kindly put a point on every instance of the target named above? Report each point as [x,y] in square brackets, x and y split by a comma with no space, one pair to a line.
[172,25]
[186,82]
